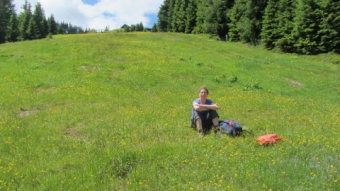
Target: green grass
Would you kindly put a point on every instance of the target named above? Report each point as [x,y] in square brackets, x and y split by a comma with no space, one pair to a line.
[111,112]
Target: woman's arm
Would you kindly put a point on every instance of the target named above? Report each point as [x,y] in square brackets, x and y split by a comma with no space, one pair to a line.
[212,106]
[204,107]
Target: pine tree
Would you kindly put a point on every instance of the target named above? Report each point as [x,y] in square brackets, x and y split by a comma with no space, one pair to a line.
[45,27]
[190,19]
[330,26]
[154,28]
[71,30]
[141,26]
[170,14]
[200,17]
[105,30]
[163,20]
[216,17]
[40,21]
[246,20]
[286,15]
[133,28]
[236,14]
[178,19]
[6,9]
[60,29]
[212,17]
[230,5]
[32,30]
[52,25]
[24,19]
[270,24]
[307,25]
[127,29]
[12,32]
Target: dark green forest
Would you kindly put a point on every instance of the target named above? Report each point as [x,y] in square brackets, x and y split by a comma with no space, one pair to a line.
[29,24]
[293,26]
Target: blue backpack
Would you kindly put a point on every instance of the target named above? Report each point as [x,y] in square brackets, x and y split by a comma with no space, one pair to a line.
[230,127]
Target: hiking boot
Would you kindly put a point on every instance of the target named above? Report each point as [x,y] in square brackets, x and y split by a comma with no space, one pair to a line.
[201,135]
[200,132]
[217,130]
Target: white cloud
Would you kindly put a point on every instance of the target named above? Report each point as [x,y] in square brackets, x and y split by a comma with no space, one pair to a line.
[112,13]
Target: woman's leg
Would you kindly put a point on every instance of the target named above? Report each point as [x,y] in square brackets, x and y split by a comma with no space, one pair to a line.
[214,117]
[199,124]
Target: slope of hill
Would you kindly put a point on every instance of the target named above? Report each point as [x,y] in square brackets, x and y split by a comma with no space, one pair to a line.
[111,112]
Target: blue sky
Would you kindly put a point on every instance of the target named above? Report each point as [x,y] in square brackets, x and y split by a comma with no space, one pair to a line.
[97,14]
[90,2]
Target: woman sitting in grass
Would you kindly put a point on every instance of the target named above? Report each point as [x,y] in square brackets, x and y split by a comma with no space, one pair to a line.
[204,113]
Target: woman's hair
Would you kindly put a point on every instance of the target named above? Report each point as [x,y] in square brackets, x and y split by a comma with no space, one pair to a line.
[203,87]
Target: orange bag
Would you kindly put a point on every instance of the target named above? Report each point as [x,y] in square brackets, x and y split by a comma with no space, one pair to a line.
[268,139]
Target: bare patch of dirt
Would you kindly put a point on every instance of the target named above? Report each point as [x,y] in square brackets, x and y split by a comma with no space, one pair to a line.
[72,132]
[90,68]
[294,82]
[120,61]
[28,112]
[45,90]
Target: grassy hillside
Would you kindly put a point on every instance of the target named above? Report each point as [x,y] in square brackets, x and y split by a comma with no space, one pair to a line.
[111,112]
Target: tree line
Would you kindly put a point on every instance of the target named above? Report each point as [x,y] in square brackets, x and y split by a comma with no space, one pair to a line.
[134,27]
[28,25]
[294,26]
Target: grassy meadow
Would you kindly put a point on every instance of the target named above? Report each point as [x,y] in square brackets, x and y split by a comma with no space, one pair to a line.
[111,111]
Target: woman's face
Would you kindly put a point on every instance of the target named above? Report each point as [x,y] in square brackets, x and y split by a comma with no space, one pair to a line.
[203,94]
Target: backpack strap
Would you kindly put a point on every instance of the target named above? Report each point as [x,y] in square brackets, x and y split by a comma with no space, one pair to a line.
[230,123]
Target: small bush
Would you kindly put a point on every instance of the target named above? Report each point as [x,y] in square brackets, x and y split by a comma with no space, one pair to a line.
[233,79]
[49,36]
[252,86]
[217,80]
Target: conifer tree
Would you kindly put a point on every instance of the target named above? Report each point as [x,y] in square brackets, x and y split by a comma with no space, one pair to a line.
[236,14]
[200,17]
[154,28]
[246,20]
[6,9]
[24,19]
[230,5]
[127,29]
[60,29]
[307,21]
[173,21]
[330,26]
[190,19]
[133,28]
[163,20]
[213,17]
[40,21]
[286,15]
[270,25]
[45,27]
[170,14]
[12,32]
[32,30]
[52,25]
[216,17]
[178,19]
[141,26]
